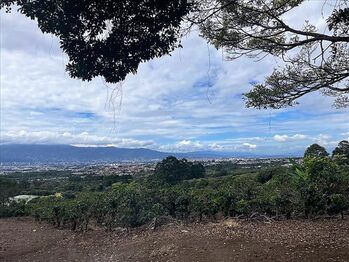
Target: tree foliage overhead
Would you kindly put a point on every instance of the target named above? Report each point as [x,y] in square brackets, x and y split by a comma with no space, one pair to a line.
[107,38]
[111,38]
[313,60]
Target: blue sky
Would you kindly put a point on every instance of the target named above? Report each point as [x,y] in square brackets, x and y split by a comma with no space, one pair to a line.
[191,100]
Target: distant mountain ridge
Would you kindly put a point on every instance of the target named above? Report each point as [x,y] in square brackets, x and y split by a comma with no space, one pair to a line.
[35,153]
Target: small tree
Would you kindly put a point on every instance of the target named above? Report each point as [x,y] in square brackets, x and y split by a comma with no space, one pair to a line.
[244,191]
[172,170]
[338,204]
[281,195]
[317,180]
[131,204]
[8,188]
[315,150]
[341,152]
[197,170]
[265,174]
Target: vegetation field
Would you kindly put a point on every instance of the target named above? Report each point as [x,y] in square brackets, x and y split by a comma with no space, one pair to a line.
[182,211]
[183,190]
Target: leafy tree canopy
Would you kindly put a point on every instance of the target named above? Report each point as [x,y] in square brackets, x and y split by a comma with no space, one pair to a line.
[341,152]
[172,170]
[111,38]
[315,150]
[313,60]
[342,149]
[107,38]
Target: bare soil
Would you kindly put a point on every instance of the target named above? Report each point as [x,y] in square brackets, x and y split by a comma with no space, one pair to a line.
[23,239]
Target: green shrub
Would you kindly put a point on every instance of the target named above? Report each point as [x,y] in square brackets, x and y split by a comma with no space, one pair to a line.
[338,203]
[13,209]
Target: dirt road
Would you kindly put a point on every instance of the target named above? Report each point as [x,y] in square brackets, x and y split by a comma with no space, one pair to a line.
[23,239]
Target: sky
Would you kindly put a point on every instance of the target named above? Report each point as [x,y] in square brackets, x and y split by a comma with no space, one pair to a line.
[189,101]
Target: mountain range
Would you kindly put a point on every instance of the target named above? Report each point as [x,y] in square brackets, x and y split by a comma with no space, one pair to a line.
[35,153]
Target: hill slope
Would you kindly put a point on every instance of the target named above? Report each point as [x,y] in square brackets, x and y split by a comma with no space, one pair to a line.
[35,153]
[67,153]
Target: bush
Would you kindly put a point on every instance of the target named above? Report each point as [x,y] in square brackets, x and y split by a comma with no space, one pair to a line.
[317,186]
[264,175]
[13,209]
[318,179]
[338,203]
[172,170]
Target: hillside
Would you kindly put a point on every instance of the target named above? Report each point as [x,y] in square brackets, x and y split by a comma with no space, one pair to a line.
[67,153]
[32,153]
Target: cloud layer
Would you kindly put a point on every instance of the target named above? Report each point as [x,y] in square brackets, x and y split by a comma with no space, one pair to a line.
[191,100]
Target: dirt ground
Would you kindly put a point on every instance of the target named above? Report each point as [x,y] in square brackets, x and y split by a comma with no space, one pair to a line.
[23,239]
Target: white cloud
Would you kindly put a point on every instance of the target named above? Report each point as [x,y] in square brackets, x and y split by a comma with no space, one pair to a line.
[249,146]
[281,138]
[326,140]
[299,137]
[166,105]
[80,139]
[284,138]
[345,134]
[190,146]
[183,146]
